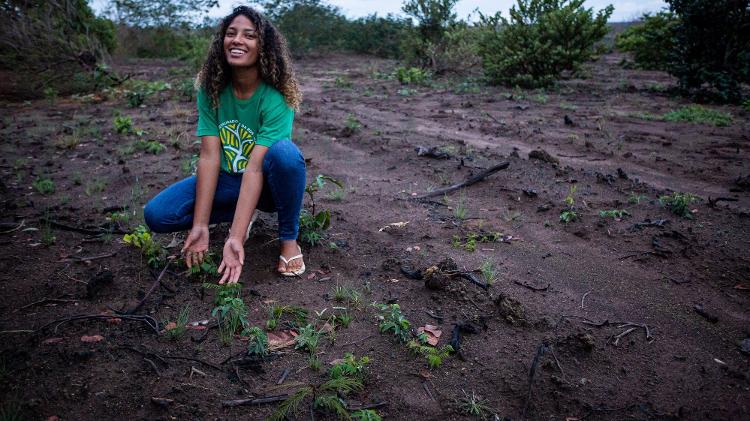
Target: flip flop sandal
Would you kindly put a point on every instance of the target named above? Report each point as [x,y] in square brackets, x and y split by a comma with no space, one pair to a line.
[250,226]
[286,261]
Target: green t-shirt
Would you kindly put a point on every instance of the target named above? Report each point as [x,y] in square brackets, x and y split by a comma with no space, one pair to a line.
[240,124]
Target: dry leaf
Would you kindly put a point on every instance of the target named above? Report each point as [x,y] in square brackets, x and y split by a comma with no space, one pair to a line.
[52,341]
[432,332]
[170,326]
[393,225]
[282,339]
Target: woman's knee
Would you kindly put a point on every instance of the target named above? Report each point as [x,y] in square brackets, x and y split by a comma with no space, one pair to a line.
[284,156]
[154,217]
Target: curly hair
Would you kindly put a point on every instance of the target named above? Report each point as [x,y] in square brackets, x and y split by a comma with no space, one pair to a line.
[274,61]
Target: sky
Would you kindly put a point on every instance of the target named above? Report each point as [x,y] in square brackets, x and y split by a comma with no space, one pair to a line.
[625,10]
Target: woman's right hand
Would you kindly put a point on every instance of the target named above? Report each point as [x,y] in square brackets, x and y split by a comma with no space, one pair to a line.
[196,246]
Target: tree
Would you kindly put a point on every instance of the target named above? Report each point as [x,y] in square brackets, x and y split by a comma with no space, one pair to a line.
[160,13]
[433,17]
[712,47]
[541,39]
[651,41]
[308,25]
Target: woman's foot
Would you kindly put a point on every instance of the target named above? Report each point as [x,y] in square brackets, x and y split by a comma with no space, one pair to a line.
[290,259]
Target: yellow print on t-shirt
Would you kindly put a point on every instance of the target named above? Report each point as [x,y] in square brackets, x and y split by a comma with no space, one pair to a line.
[237,141]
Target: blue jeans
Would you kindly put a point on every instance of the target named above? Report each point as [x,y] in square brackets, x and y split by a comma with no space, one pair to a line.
[283,191]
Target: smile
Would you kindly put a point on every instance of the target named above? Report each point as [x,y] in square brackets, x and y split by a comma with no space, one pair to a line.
[236,52]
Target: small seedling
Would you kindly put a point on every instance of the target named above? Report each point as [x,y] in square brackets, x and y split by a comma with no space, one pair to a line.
[141,238]
[635,199]
[473,405]
[181,324]
[123,125]
[489,271]
[342,82]
[472,239]
[314,363]
[366,415]
[337,195]
[352,123]
[461,211]
[296,317]
[569,215]
[411,75]
[44,185]
[434,356]
[700,115]
[307,339]
[257,343]
[230,310]
[150,146]
[189,165]
[50,94]
[614,213]
[679,203]
[95,186]
[391,320]
[48,236]
[312,225]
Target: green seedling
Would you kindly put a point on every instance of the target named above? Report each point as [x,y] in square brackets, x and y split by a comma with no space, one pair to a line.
[366,415]
[307,339]
[48,236]
[473,239]
[489,271]
[473,405]
[679,203]
[569,215]
[123,125]
[461,211]
[189,165]
[50,94]
[230,310]
[347,294]
[257,343]
[614,213]
[699,115]
[181,324]
[406,92]
[95,186]
[44,185]
[391,320]
[636,199]
[313,225]
[291,316]
[141,238]
[352,123]
[411,75]
[150,146]
[434,356]
[342,82]
[314,363]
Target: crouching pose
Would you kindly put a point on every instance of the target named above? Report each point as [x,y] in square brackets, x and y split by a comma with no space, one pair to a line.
[247,94]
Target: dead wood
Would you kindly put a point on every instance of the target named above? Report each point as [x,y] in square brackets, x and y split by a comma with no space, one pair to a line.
[283,377]
[531,287]
[256,401]
[148,320]
[88,258]
[150,290]
[475,179]
[532,371]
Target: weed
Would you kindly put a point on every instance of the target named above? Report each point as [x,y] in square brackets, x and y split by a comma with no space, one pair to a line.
[411,75]
[391,320]
[540,98]
[150,146]
[181,324]
[434,356]
[207,268]
[307,339]
[342,82]
[44,185]
[257,343]
[351,123]
[189,165]
[314,363]
[642,115]
[230,310]
[406,92]
[473,405]
[679,203]
[700,115]
[95,186]
[344,319]
[472,239]
[141,238]
[297,317]
[123,125]
[348,295]
[461,211]
[366,415]
[746,105]
[569,215]
[50,94]
[614,213]
[48,236]
[567,106]
[635,199]
[489,271]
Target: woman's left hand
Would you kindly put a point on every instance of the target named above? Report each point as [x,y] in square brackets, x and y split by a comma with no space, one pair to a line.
[231,264]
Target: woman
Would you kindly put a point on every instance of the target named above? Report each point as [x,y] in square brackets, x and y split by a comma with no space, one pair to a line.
[247,94]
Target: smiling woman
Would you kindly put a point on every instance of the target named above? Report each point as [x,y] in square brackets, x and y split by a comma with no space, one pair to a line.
[247,95]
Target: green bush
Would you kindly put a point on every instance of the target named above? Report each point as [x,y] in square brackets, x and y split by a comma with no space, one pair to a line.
[541,39]
[377,36]
[428,43]
[711,58]
[651,41]
[308,25]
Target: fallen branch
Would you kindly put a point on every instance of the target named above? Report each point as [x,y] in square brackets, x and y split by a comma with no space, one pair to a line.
[531,287]
[470,277]
[256,401]
[89,258]
[475,179]
[357,341]
[148,320]
[712,202]
[283,377]
[150,291]
[48,300]
[172,357]
[532,371]
[16,228]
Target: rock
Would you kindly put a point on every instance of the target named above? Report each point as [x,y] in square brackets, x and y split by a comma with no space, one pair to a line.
[712,318]
[745,346]
[542,155]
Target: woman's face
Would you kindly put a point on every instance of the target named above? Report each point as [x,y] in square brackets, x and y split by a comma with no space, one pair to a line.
[241,43]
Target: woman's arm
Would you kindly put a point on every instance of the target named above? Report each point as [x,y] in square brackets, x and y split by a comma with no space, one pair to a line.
[207,175]
[252,184]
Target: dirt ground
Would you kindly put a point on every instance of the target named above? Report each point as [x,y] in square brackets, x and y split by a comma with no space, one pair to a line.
[594,319]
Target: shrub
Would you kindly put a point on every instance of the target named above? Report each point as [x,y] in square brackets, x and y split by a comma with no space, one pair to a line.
[142,239]
[542,39]
[700,115]
[378,36]
[711,57]
[308,25]
[651,41]
[679,203]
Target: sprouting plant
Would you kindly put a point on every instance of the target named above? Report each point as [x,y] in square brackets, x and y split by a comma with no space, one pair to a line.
[489,271]
[257,343]
[123,125]
[337,195]
[411,75]
[326,396]
[366,415]
[434,356]
[153,147]
[635,199]
[206,269]
[189,165]
[343,319]
[48,236]
[96,185]
[50,94]
[44,185]
[314,363]
[307,339]
[614,213]
[141,238]
[350,367]
[391,320]
[679,203]
[472,239]
[295,316]
[230,310]
[342,82]
[570,199]
[181,324]
[461,211]
[473,405]
[569,215]
[352,123]
[312,225]
[347,294]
